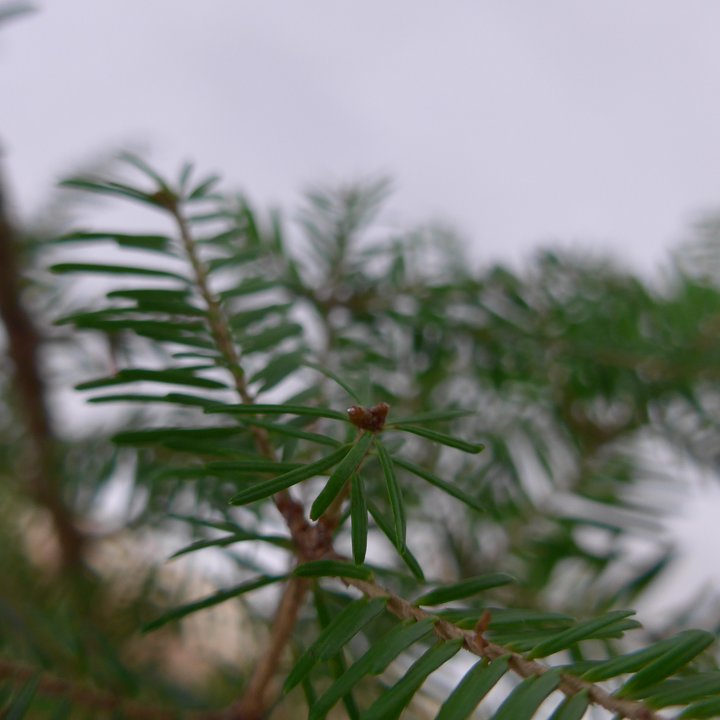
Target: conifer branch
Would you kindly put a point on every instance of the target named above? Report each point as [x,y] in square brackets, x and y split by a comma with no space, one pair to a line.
[475,643]
[314,541]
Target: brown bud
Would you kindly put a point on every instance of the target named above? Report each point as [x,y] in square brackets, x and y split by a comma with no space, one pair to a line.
[370,419]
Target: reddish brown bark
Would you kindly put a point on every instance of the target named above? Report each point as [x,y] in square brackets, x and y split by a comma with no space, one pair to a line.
[23,349]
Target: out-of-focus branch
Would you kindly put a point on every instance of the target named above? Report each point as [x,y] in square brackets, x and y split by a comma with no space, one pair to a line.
[253,704]
[100,702]
[23,349]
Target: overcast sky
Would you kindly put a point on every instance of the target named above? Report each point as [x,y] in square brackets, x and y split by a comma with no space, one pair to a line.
[523,122]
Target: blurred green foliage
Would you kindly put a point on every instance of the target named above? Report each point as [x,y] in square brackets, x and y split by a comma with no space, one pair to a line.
[580,378]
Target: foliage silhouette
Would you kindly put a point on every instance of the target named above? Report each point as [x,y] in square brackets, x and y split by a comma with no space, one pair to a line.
[562,372]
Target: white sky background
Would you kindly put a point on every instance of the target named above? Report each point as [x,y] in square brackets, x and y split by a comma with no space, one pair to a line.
[589,122]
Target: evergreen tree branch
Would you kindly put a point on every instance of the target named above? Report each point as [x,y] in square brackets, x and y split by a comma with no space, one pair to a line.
[475,643]
[314,540]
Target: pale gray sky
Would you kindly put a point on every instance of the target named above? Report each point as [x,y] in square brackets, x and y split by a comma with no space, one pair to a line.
[585,121]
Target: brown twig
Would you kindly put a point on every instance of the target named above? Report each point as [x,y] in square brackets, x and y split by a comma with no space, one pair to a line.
[254,701]
[306,537]
[292,512]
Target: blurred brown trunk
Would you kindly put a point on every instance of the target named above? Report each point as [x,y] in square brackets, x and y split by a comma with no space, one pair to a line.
[23,349]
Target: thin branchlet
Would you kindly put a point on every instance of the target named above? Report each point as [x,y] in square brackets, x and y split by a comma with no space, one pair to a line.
[220,332]
[475,643]
[253,702]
